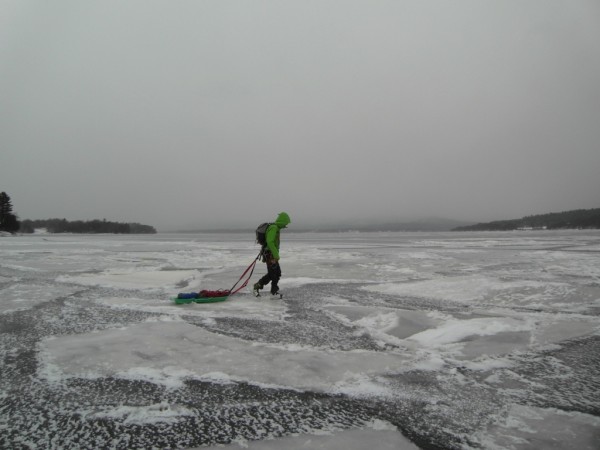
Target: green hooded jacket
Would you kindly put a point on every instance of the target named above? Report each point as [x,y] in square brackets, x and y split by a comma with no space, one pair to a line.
[272,234]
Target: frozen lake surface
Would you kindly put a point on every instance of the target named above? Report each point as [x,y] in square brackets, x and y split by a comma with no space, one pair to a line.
[382,341]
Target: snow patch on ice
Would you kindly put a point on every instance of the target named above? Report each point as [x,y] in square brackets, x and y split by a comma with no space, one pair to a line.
[239,305]
[376,434]
[301,281]
[457,330]
[21,297]
[133,279]
[140,415]
[458,289]
[169,352]
[533,427]
[468,289]
[383,321]
[387,326]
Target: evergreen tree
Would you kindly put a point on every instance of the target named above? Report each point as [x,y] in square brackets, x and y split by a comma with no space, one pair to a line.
[8,221]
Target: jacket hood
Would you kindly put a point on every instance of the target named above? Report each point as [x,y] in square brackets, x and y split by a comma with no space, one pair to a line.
[283,220]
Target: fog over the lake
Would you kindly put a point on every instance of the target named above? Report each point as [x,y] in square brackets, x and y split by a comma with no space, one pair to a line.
[200,114]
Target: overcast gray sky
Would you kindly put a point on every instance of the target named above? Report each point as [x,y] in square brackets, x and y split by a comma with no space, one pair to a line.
[181,114]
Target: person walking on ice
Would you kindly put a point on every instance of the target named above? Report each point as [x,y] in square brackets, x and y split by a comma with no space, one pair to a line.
[270,253]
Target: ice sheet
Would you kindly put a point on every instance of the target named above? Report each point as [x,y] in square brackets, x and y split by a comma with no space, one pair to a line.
[430,334]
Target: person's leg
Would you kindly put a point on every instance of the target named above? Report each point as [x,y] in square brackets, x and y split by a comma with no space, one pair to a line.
[274,275]
[265,280]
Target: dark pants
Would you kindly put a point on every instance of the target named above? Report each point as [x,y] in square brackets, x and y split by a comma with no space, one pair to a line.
[273,274]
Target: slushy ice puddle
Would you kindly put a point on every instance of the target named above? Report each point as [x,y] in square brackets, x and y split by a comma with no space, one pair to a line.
[382,340]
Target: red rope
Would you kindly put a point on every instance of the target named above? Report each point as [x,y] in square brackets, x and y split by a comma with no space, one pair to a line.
[245,283]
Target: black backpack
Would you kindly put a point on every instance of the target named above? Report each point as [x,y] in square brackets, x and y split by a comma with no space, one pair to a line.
[261,233]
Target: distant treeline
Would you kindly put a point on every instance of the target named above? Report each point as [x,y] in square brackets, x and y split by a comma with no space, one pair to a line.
[578,218]
[80,226]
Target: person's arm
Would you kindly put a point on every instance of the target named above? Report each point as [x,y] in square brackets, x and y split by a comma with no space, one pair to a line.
[271,236]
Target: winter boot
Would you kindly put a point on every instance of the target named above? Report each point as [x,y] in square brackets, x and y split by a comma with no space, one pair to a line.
[256,289]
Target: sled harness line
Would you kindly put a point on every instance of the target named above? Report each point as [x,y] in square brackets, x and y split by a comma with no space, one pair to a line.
[206,296]
[245,283]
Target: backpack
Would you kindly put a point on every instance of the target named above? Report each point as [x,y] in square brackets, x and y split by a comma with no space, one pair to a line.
[261,233]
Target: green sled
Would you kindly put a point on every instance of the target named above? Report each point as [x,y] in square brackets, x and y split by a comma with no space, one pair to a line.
[185,301]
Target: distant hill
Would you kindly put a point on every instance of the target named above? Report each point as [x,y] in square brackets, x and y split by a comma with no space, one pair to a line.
[417,225]
[429,224]
[87,227]
[575,219]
